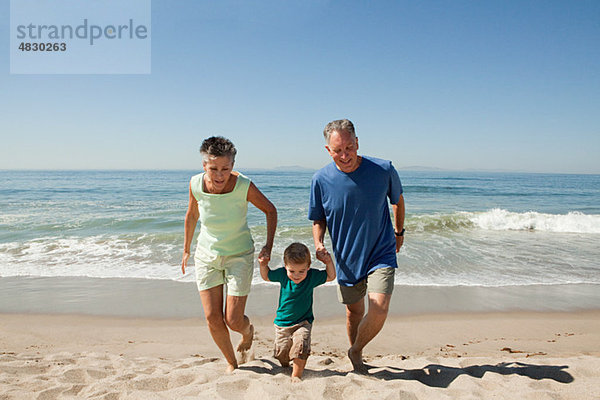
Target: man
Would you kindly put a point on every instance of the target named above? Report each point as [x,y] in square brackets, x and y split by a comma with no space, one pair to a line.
[350,198]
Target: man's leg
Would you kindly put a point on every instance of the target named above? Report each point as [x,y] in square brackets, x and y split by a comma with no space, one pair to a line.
[354,314]
[238,322]
[368,328]
[212,302]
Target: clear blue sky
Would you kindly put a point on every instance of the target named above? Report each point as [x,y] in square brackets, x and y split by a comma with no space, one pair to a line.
[510,85]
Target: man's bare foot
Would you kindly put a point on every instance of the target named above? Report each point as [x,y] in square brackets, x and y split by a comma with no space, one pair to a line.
[284,364]
[296,379]
[357,362]
[247,338]
[230,368]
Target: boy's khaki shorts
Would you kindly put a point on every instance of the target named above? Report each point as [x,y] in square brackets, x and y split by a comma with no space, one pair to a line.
[235,271]
[292,342]
[379,281]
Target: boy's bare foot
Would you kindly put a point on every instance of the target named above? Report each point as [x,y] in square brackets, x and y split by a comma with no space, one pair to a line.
[357,362]
[247,338]
[296,379]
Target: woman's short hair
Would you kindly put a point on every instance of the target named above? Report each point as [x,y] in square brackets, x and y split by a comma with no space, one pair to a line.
[296,253]
[217,146]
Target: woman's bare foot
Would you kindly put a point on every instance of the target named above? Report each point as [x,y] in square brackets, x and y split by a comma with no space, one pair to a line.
[230,368]
[247,338]
[357,362]
[296,379]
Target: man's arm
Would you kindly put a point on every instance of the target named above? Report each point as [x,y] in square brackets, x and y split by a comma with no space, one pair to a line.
[318,231]
[399,212]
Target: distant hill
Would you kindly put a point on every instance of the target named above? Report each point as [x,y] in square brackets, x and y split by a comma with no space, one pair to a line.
[420,168]
[293,168]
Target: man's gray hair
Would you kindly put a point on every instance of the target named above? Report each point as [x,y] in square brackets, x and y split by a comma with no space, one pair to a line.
[337,126]
[217,146]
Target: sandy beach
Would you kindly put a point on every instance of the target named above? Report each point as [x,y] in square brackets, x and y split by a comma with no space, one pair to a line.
[469,355]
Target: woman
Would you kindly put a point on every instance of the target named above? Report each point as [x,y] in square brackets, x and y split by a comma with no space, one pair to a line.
[225,252]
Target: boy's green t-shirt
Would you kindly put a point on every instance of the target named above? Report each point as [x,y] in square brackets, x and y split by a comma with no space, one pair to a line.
[295,301]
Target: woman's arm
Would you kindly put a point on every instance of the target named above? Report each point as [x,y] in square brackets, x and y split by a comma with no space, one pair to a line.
[191,219]
[261,202]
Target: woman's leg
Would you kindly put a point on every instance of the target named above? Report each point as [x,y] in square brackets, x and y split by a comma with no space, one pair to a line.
[212,302]
[238,322]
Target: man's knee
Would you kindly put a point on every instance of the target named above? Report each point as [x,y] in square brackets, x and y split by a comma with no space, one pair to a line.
[355,310]
[379,303]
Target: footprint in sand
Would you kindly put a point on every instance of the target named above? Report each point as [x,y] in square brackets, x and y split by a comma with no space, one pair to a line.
[75,376]
[236,391]
[97,374]
[150,384]
[74,391]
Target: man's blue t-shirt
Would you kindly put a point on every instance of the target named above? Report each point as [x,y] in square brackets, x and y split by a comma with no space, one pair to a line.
[355,206]
[295,301]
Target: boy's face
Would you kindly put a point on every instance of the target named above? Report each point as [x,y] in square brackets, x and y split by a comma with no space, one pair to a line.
[296,272]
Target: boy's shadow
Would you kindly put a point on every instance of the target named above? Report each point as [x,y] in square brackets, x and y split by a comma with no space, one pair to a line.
[442,376]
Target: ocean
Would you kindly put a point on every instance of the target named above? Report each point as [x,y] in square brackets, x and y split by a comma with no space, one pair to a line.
[463,229]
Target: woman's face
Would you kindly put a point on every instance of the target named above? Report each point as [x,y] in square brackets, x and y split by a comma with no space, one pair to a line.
[218,171]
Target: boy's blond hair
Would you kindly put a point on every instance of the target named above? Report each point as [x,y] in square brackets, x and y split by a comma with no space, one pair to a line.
[296,253]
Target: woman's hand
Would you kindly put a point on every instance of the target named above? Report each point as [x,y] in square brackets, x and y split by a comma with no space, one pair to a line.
[265,255]
[184,261]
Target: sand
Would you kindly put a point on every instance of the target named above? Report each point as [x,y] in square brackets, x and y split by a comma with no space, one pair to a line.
[508,355]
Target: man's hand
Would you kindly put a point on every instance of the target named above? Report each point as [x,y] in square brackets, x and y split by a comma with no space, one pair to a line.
[323,255]
[399,242]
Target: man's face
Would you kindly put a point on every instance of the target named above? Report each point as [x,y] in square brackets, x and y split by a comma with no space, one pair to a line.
[343,148]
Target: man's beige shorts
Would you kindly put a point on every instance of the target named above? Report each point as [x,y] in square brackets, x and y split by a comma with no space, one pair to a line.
[379,281]
[292,342]
[235,271]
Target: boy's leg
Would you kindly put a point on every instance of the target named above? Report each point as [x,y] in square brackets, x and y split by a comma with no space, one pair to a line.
[298,369]
[300,348]
[283,344]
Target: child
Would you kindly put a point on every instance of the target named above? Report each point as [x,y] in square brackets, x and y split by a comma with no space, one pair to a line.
[293,322]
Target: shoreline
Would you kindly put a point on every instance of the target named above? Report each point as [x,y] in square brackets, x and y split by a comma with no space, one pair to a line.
[146,298]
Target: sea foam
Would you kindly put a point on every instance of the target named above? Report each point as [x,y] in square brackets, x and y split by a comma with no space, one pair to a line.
[572,222]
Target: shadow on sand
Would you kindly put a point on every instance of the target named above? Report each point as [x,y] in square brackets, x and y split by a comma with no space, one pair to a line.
[441,376]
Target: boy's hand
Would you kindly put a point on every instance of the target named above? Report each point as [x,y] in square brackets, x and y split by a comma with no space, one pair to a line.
[264,256]
[326,258]
[323,255]
[263,262]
